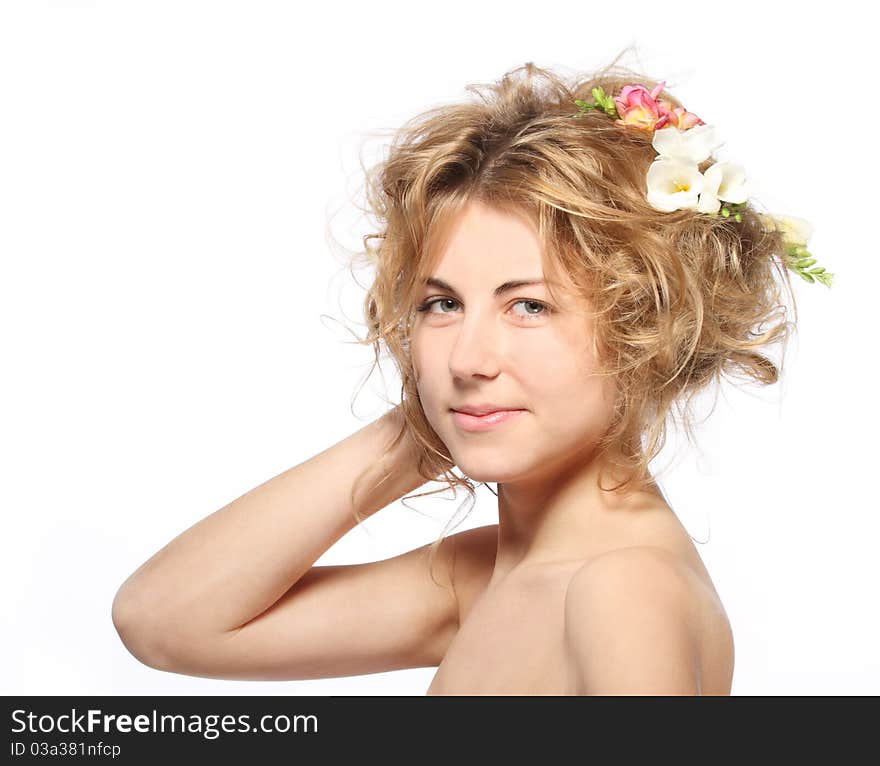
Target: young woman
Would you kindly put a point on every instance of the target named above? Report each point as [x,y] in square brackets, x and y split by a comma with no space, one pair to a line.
[546,314]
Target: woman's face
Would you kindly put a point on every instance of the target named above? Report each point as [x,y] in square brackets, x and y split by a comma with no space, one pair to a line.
[515,349]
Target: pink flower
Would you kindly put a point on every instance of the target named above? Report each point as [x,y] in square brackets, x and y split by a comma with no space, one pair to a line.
[680,117]
[639,107]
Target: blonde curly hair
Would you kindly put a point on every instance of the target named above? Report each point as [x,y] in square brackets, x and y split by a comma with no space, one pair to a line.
[678,298]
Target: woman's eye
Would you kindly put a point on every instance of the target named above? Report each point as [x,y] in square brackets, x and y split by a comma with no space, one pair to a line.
[542,308]
[533,308]
[427,305]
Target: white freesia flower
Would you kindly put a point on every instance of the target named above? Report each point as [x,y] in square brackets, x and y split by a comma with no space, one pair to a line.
[692,145]
[797,230]
[673,184]
[674,179]
[723,181]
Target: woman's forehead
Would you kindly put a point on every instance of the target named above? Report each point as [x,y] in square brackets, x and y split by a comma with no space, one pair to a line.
[496,244]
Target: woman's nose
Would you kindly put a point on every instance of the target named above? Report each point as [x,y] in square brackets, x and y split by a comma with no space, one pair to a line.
[477,346]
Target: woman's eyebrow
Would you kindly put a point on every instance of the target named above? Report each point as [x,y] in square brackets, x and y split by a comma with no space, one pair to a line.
[511,285]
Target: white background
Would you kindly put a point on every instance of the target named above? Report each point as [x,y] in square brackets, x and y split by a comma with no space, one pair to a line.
[177,190]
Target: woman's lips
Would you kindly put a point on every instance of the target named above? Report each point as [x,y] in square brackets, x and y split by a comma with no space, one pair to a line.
[484,422]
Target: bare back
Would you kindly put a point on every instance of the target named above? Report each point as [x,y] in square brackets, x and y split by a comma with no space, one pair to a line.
[511,635]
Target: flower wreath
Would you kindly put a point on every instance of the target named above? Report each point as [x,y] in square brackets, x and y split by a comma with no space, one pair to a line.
[674,182]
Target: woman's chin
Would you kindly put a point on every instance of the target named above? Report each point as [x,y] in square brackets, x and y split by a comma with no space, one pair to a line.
[485,471]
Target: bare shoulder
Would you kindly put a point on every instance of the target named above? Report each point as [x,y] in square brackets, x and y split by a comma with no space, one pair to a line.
[624,576]
[641,618]
[634,565]
[649,572]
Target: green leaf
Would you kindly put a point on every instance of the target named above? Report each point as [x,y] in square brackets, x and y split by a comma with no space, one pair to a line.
[806,276]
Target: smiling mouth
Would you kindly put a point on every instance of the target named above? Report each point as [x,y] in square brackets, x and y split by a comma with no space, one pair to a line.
[468,422]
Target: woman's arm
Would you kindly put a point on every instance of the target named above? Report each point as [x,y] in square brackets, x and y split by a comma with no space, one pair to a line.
[237,595]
